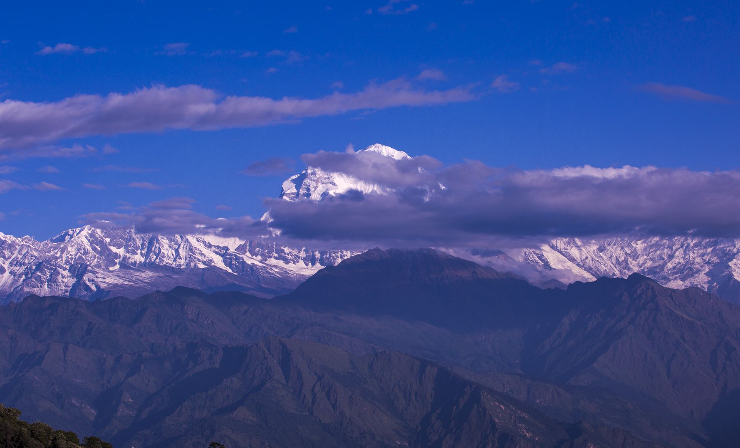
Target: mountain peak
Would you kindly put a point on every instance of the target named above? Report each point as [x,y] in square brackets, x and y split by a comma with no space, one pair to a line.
[421,284]
[316,183]
[419,263]
[386,151]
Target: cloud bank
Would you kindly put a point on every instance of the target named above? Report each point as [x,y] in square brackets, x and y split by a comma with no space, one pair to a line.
[427,204]
[420,202]
[155,109]
[176,216]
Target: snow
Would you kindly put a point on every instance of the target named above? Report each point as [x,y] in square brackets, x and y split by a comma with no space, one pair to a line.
[89,259]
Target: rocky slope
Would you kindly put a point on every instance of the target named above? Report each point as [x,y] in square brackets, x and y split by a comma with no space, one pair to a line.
[615,353]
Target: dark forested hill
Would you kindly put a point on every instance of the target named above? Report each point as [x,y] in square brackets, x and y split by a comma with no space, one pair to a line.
[16,433]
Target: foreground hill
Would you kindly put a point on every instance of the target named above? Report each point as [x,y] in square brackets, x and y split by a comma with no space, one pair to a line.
[15,433]
[616,353]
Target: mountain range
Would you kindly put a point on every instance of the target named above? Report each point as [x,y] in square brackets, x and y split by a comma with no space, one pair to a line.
[92,263]
[388,348]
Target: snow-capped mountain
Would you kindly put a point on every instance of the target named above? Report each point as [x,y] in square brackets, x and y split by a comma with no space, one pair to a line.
[677,262]
[316,184]
[93,263]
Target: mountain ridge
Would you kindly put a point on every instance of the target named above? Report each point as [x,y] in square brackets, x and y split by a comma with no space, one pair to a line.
[95,263]
[604,350]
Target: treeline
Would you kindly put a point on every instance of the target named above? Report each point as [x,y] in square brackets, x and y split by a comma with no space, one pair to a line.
[15,433]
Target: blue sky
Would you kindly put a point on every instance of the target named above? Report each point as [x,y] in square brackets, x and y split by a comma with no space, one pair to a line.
[535,85]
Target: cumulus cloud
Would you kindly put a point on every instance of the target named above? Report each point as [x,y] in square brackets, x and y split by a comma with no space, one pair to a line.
[176,216]
[270,167]
[502,84]
[62,48]
[423,203]
[159,108]
[668,92]
[559,68]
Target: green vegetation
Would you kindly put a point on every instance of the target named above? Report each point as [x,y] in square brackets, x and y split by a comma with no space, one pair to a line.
[15,433]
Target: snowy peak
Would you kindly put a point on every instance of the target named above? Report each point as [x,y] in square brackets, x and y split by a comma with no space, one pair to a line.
[316,184]
[89,262]
[386,151]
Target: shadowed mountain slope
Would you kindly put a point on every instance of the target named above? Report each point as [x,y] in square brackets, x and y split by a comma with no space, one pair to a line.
[661,363]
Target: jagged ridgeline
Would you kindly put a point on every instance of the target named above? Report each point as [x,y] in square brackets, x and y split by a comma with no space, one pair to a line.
[16,433]
[92,263]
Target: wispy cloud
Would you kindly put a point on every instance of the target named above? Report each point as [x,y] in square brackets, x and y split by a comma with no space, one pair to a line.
[294,56]
[50,152]
[93,186]
[176,216]
[559,68]
[7,185]
[47,186]
[396,7]
[122,169]
[174,49]
[62,48]
[145,186]
[249,54]
[159,108]
[290,30]
[270,167]
[223,208]
[48,169]
[432,74]
[669,92]
[502,84]
[6,169]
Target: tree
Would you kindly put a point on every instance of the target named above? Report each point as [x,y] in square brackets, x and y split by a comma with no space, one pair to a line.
[216,445]
[95,442]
